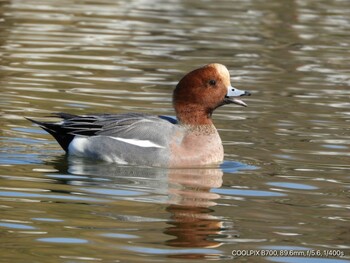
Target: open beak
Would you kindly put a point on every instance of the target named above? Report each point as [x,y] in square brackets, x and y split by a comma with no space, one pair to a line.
[233,93]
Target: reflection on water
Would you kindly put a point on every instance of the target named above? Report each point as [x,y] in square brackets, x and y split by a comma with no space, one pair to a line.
[115,194]
[284,184]
[188,197]
[186,193]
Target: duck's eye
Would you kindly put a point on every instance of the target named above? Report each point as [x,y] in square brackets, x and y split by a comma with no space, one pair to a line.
[212,82]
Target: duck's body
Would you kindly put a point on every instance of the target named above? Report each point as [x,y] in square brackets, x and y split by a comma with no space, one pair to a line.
[142,139]
[136,139]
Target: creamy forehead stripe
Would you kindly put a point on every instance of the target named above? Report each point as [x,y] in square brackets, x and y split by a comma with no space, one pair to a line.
[223,73]
[222,70]
[140,143]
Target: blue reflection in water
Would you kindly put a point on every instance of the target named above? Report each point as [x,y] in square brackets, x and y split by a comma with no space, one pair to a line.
[293,185]
[32,195]
[18,158]
[63,240]
[234,167]
[334,146]
[243,192]
[29,130]
[107,191]
[178,251]
[44,219]
[66,176]
[16,226]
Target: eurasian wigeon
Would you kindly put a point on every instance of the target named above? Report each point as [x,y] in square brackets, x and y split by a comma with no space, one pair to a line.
[141,139]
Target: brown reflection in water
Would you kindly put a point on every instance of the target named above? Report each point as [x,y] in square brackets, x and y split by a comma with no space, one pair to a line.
[192,227]
[192,223]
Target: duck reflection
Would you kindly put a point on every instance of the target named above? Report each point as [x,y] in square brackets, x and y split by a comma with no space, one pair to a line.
[186,192]
[192,223]
[192,227]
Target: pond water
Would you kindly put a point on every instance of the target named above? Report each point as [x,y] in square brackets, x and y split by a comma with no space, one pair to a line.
[284,185]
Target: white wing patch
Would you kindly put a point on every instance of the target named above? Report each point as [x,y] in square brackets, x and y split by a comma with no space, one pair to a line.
[140,143]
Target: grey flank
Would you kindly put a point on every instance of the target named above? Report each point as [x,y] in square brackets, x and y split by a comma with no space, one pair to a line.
[104,128]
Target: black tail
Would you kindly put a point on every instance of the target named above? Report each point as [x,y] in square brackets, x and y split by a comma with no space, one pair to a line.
[60,134]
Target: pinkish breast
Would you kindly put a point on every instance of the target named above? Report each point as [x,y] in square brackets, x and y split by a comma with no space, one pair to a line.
[200,145]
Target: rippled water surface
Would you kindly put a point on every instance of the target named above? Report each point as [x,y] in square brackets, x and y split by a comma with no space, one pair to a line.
[284,185]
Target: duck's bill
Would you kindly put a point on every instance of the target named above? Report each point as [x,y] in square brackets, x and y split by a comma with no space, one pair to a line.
[233,93]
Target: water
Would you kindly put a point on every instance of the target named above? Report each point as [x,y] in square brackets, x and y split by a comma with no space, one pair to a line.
[284,185]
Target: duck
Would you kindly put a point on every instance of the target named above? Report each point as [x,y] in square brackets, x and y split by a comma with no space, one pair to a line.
[189,140]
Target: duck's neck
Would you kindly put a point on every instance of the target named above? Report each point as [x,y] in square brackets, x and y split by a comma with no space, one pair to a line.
[193,116]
